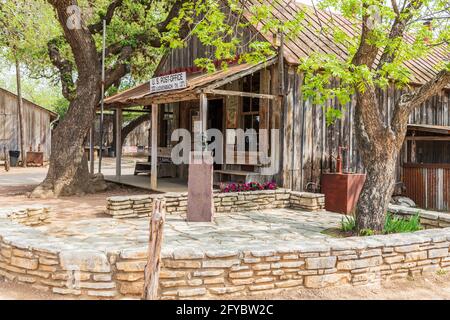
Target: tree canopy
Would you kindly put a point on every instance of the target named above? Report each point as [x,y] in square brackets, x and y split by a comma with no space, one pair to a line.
[398,31]
[61,40]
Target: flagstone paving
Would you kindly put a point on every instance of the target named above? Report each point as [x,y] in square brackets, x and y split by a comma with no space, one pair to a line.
[267,228]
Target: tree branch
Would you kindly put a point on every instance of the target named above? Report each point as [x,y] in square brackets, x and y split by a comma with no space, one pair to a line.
[133,125]
[146,38]
[366,100]
[120,69]
[98,27]
[174,11]
[395,7]
[80,40]
[65,69]
[398,30]
[409,101]
[431,88]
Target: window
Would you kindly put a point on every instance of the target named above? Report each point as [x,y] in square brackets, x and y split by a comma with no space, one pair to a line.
[167,126]
[250,106]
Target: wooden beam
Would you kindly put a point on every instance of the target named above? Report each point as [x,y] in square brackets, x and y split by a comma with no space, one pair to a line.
[428,138]
[118,143]
[242,94]
[137,111]
[204,112]
[429,128]
[91,147]
[20,118]
[154,148]
[164,99]
[153,267]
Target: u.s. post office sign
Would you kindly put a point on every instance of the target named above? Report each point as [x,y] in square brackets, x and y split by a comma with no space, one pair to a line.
[170,82]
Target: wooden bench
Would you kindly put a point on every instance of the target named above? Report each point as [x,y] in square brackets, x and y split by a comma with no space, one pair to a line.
[166,168]
[242,160]
[142,167]
[238,176]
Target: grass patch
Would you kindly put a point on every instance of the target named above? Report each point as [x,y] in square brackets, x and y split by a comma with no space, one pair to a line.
[348,223]
[441,272]
[393,224]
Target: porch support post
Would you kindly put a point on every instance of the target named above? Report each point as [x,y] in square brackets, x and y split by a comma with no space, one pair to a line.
[154,152]
[118,121]
[204,117]
[91,147]
[200,181]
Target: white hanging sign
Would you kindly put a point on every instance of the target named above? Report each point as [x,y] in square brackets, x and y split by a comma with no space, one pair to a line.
[170,82]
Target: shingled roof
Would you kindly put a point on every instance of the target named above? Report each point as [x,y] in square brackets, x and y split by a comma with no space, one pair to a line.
[311,39]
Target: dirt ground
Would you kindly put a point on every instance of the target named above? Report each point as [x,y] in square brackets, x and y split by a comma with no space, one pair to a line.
[433,287]
[90,205]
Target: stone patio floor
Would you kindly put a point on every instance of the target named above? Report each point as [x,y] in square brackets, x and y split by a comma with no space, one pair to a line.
[237,231]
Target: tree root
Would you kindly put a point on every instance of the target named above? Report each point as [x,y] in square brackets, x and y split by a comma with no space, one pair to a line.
[50,189]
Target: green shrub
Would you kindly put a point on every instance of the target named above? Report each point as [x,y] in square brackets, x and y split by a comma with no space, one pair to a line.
[366,232]
[395,224]
[348,224]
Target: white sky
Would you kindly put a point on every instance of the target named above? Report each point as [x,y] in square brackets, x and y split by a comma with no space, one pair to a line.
[309,2]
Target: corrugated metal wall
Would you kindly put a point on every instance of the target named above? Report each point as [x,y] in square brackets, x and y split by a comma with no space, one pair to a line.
[428,185]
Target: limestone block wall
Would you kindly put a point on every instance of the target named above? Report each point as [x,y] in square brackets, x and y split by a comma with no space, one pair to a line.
[192,273]
[307,201]
[48,268]
[29,216]
[428,219]
[130,207]
[56,265]
[224,203]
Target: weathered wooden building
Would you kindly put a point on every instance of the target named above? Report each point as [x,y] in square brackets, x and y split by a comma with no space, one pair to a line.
[269,96]
[139,136]
[37,125]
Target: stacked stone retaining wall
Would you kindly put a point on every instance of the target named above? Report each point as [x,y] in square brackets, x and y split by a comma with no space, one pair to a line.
[30,216]
[59,266]
[176,203]
[428,219]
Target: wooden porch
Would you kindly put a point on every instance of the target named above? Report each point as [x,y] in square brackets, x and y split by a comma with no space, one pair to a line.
[210,101]
[165,185]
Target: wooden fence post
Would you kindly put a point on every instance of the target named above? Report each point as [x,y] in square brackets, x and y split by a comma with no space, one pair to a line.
[153,266]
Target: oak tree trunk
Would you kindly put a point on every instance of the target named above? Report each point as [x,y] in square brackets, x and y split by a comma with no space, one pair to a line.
[68,172]
[377,191]
[379,148]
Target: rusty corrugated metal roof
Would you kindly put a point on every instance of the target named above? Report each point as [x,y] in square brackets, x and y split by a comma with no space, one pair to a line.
[141,95]
[311,39]
[314,37]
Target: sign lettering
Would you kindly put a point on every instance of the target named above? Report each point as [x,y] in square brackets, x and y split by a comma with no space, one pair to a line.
[170,82]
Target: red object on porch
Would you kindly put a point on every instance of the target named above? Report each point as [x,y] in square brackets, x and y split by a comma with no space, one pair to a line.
[35,158]
[342,191]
